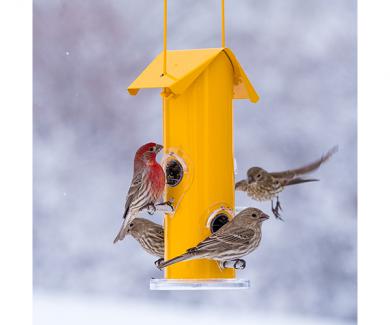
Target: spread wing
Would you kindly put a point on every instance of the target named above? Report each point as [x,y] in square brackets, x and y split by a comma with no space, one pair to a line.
[289,174]
[241,185]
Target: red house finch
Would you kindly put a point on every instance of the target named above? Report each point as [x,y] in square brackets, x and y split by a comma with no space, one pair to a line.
[146,187]
[150,235]
[233,240]
[261,185]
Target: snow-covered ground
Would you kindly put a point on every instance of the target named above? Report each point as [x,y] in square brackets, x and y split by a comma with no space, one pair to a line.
[66,310]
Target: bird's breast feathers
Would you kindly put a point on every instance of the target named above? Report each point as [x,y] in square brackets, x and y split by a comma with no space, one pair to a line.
[157,177]
[263,192]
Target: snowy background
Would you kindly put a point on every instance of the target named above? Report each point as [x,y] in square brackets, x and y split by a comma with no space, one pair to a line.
[301,57]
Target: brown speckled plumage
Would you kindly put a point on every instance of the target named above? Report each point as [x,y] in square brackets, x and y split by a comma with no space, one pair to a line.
[150,235]
[235,239]
[261,185]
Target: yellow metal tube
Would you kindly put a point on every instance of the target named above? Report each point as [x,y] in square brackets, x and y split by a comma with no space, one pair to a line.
[198,128]
[198,133]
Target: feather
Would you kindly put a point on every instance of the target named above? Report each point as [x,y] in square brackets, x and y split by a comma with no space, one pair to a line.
[289,174]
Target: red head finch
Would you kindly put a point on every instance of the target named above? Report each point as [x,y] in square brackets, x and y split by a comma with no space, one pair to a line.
[146,187]
[233,240]
[150,235]
[261,185]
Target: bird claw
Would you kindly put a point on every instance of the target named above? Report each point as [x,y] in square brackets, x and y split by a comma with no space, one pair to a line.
[158,262]
[151,209]
[276,213]
[275,210]
[168,203]
[239,264]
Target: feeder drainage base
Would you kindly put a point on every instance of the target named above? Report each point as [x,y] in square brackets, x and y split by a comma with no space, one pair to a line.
[217,284]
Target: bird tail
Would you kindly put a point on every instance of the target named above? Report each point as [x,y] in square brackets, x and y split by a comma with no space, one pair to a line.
[299,180]
[177,259]
[123,231]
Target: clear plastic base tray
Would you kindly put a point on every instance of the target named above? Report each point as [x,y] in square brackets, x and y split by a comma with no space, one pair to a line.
[224,284]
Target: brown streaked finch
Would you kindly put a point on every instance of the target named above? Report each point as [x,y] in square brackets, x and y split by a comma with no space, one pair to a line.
[235,239]
[149,235]
[261,185]
[147,185]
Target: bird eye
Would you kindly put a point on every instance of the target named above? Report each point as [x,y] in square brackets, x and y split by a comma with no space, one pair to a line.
[258,176]
[151,149]
[254,215]
[131,225]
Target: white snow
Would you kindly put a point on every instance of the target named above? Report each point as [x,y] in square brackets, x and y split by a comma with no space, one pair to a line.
[65,310]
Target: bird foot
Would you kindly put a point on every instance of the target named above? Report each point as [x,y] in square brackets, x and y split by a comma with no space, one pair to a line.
[151,209]
[276,209]
[158,262]
[238,264]
[167,203]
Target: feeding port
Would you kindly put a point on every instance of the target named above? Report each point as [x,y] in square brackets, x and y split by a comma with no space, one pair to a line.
[218,221]
[174,172]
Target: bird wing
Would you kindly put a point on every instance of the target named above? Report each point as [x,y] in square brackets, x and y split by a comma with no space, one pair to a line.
[241,185]
[133,191]
[289,174]
[215,243]
[160,232]
[241,236]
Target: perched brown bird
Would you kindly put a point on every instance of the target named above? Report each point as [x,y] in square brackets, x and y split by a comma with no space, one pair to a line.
[150,235]
[235,239]
[147,185]
[261,185]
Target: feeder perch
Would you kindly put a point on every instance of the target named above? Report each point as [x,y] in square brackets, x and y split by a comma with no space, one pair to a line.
[198,87]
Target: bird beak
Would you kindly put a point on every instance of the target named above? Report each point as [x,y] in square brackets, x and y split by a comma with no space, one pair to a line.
[158,148]
[264,217]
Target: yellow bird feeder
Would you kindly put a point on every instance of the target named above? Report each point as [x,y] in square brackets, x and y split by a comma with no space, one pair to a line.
[198,88]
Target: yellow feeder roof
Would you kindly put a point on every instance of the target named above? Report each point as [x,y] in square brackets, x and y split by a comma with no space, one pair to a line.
[184,66]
